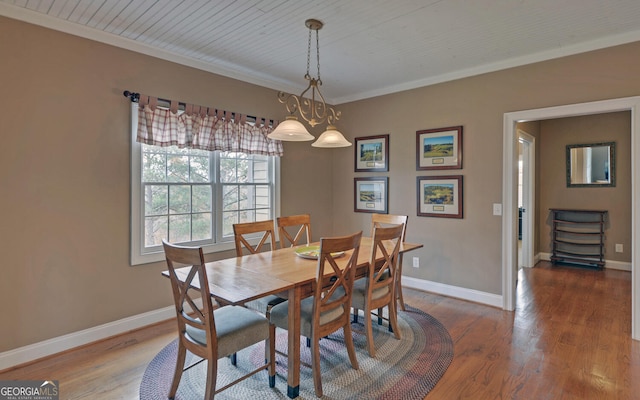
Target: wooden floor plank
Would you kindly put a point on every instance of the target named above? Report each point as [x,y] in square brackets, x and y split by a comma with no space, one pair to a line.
[569,338]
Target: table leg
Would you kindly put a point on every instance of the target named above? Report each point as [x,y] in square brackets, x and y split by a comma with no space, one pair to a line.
[293,360]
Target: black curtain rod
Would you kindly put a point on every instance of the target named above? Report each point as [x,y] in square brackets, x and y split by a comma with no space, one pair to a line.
[135,98]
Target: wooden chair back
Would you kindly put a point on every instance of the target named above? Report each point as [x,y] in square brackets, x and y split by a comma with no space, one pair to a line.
[381,220]
[382,274]
[303,221]
[188,313]
[242,231]
[334,284]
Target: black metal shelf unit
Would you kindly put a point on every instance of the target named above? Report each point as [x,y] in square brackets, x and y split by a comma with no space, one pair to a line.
[578,237]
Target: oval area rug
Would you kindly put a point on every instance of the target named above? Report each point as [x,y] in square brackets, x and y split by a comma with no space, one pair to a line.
[402,369]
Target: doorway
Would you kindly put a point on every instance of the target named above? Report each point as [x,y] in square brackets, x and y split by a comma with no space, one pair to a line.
[510,182]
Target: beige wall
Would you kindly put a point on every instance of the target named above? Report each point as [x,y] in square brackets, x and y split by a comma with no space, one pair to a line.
[467,252]
[65,169]
[554,193]
[64,164]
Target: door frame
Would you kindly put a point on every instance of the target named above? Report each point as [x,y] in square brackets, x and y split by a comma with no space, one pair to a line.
[510,189]
[528,197]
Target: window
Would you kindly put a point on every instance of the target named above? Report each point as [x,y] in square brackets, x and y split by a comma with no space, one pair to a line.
[194,197]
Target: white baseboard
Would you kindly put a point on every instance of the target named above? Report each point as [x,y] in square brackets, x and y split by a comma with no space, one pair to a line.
[490,299]
[49,347]
[619,265]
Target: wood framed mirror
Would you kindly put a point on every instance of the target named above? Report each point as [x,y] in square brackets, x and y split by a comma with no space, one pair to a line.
[591,165]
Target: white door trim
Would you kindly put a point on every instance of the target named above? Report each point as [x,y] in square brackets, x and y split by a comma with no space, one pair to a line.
[510,182]
[528,194]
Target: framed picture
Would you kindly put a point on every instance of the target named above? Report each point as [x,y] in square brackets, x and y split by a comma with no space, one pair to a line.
[372,154]
[439,148]
[371,194]
[440,196]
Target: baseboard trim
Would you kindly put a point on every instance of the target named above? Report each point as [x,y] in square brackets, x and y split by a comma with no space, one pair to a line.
[619,265]
[476,296]
[49,347]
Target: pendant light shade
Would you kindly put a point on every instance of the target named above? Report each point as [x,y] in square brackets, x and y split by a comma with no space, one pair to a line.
[331,138]
[291,130]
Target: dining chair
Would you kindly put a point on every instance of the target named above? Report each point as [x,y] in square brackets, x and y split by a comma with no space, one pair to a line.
[377,289]
[302,222]
[242,233]
[207,332]
[391,219]
[328,309]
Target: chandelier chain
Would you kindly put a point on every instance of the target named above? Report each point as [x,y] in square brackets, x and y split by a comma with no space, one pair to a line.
[318,54]
[309,54]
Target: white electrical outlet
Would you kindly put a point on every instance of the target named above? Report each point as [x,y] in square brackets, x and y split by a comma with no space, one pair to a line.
[416,262]
[497,209]
[619,248]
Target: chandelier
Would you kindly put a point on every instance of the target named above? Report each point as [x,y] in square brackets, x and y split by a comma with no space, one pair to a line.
[311,107]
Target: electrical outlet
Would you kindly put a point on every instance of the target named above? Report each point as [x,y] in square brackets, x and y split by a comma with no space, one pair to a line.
[619,248]
[497,209]
[416,262]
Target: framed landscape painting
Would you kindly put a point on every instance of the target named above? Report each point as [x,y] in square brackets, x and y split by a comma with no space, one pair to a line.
[439,148]
[440,196]
[371,194]
[372,154]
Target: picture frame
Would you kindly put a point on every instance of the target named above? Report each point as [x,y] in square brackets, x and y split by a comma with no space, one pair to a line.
[371,195]
[439,148]
[439,196]
[371,154]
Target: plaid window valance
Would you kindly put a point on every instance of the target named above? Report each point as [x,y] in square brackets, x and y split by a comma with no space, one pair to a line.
[203,128]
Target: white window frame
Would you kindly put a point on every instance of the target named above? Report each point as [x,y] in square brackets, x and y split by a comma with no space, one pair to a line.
[139,255]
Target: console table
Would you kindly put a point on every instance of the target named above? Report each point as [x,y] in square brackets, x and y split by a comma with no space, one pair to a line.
[578,237]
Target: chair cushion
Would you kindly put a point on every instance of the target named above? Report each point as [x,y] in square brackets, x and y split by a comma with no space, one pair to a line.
[262,304]
[279,314]
[360,293]
[237,328]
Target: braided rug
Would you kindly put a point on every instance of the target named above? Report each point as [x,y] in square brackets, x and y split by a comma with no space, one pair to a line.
[402,369]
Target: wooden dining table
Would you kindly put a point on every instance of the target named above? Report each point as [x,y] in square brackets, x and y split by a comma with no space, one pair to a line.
[239,280]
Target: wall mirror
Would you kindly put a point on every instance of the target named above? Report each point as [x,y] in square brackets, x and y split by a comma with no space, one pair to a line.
[591,165]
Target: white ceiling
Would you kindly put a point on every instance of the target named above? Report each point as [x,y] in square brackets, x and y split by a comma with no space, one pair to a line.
[367,47]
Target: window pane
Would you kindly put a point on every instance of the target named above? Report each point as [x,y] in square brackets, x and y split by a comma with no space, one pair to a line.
[230,197]
[262,197]
[154,167]
[246,197]
[200,169]
[227,170]
[177,168]
[201,200]
[180,228]
[263,215]
[242,174]
[228,219]
[155,198]
[179,199]
[155,229]
[260,169]
[247,216]
[201,226]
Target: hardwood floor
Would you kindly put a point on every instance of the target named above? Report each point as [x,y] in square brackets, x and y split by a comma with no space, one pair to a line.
[569,338]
